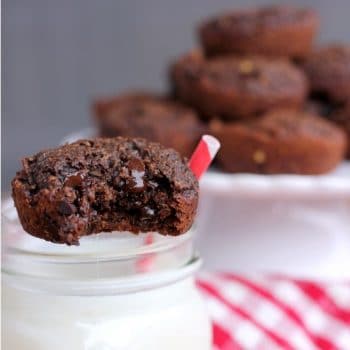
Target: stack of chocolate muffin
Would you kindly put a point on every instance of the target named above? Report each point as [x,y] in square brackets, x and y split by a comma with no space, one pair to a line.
[276,104]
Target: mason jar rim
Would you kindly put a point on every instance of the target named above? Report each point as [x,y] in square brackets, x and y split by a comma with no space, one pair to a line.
[103,264]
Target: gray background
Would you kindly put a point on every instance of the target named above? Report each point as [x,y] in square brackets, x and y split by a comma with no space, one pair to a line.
[59,54]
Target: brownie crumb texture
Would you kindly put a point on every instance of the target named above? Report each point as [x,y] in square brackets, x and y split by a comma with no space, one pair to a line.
[103,185]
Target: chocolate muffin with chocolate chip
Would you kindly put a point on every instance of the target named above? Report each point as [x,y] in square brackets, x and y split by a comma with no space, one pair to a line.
[271,31]
[112,184]
[237,88]
[282,141]
[328,70]
[152,117]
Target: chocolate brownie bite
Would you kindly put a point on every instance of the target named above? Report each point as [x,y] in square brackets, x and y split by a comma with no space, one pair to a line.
[271,31]
[111,184]
[328,70]
[281,141]
[236,88]
[152,117]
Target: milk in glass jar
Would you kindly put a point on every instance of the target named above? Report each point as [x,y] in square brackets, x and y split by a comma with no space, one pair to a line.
[112,292]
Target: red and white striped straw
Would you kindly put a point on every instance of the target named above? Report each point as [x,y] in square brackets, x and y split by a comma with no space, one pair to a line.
[203,155]
[144,263]
[200,161]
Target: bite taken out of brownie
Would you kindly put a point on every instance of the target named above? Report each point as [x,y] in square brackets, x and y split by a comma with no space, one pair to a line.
[103,185]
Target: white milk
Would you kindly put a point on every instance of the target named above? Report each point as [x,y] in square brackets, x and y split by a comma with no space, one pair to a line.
[171,317]
[94,297]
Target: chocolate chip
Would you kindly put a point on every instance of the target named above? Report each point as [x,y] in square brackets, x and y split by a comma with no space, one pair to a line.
[136,164]
[66,208]
[74,180]
[136,181]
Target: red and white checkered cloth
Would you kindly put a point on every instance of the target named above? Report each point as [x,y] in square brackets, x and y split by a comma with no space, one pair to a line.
[269,312]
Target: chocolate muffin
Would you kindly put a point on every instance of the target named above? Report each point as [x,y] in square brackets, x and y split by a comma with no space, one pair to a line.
[237,88]
[282,141]
[116,184]
[271,31]
[341,117]
[152,117]
[328,69]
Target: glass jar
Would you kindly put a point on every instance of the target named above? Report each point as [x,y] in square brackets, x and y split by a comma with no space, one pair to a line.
[114,291]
